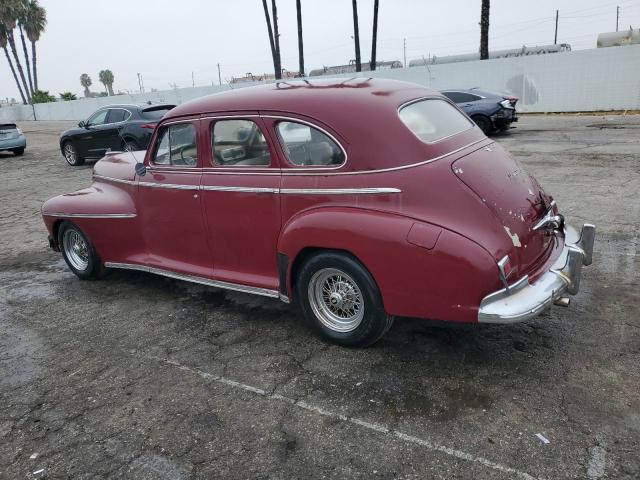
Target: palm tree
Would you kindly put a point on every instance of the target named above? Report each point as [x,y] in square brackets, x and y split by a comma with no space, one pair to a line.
[356,34]
[106,78]
[3,44]
[10,11]
[300,49]
[35,22]
[85,81]
[21,22]
[374,40]
[274,44]
[484,30]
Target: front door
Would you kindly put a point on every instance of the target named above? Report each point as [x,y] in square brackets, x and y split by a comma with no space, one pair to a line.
[240,189]
[170,206]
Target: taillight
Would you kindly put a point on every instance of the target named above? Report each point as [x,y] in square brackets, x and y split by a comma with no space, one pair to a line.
[506,104]
[505,268]
[150,126]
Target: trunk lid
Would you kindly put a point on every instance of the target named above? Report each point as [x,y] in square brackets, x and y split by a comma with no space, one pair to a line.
[516,200]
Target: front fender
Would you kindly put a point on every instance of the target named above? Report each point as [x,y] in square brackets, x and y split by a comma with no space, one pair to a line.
[422,270]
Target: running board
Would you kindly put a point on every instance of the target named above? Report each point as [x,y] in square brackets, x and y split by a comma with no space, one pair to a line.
[265,292]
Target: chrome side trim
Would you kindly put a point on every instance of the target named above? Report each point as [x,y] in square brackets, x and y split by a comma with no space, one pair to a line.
[171,186]
[214,188]
[338,191]
[89,215]
[115,180]
[194,279]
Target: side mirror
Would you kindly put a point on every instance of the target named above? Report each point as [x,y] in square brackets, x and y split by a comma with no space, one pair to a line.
[141,170]
[82,124]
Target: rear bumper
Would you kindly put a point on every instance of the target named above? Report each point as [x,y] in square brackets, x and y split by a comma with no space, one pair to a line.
[13,143]
[524,300]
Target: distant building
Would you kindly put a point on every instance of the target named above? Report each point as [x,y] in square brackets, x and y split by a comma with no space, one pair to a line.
[265,77]
[512,52]
[351,67]
[618,39]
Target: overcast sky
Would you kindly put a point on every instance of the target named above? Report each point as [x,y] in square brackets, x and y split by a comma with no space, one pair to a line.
[167,40]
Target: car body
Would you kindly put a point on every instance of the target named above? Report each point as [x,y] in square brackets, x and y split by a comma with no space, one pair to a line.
[491,111]
[111,128]
[12,139]
[382,198]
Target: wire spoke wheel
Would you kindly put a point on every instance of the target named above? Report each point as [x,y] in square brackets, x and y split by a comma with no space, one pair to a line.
[336,300]
[76,248]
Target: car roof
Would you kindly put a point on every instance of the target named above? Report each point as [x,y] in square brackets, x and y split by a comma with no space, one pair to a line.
[307,97]
[141,106]
[475,91]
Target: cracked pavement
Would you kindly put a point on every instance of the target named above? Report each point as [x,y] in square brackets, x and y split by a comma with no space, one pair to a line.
[143,377]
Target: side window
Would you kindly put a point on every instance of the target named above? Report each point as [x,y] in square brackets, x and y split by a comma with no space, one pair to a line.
[117,115]
[305,145]
[433,119]
[176,146]
[98,118]
[239,142]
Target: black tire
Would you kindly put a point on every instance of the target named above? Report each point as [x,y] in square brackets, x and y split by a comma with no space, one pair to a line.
[71,155]
[484,123]
[18,152]
[94,267]
[130,146]
[374,322]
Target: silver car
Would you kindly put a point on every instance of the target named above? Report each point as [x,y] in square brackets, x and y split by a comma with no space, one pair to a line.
[12,139]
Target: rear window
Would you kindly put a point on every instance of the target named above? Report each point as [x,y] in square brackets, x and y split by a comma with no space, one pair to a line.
[433,119]
[154,114]
[8,126]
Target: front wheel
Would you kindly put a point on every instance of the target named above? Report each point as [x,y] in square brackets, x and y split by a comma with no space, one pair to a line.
[78,252]
[341,300]
[71,155]
[18,152]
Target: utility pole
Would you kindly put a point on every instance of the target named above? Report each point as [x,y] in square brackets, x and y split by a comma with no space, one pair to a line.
[219,77]
[555,38]
[140,83]
[193,79]
[617,16]
[404,48]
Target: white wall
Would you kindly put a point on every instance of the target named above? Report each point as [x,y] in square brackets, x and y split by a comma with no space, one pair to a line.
[586,80]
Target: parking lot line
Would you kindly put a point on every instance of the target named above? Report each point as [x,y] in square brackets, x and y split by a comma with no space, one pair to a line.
[380,428]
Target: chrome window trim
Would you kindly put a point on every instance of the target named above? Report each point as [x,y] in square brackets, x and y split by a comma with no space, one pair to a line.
[313,125]
[89,215]
[195,279]
[417,100]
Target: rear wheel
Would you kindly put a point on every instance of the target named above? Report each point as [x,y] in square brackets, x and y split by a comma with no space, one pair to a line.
[484,123]
[78,252]
[341,300]
[71,155]
[18,151]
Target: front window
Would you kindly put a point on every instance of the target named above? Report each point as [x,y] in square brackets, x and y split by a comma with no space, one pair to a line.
[176,146]
[239,142]
[305,145]
[98,118]
[433,119]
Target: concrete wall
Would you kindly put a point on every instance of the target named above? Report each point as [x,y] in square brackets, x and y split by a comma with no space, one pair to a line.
[585,80]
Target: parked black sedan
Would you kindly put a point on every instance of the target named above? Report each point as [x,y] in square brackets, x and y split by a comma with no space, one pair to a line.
[114,127]
[491,111]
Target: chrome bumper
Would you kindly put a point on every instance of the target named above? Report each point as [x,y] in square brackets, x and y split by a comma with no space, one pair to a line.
[524,300]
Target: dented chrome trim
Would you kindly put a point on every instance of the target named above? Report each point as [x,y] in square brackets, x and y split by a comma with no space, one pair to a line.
[265,292]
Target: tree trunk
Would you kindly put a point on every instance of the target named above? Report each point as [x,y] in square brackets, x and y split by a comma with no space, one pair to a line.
[356,35]
[300,49]
[276,37]
[35,68]
[110,89]
[484,30]
[87,92]
[26,58]
[15,76]
[374,40]
[12,43]
[271,43]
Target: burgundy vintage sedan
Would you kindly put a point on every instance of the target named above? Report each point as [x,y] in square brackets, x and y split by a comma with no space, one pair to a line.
[360,199]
